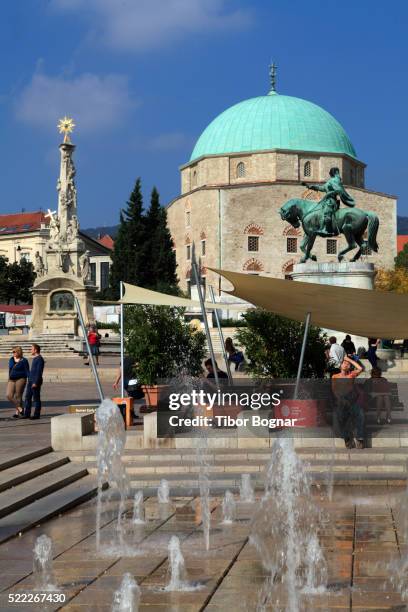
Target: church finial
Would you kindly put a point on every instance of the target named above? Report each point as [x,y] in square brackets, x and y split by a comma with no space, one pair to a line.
[272,75]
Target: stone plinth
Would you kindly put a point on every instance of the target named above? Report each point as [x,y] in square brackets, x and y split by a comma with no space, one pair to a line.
[67,430]
[356,274]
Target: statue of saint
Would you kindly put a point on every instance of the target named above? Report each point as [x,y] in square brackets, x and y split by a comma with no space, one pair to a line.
[72,229]
[84,265]
[333,189]
[39,267]
[54,229]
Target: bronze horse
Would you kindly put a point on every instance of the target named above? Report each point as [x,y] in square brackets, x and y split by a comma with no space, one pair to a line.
[352,222]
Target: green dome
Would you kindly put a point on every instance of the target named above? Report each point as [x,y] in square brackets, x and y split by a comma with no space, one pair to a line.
[273,122]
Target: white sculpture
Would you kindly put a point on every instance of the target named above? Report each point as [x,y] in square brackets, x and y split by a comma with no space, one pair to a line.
[39,267]
[84,265]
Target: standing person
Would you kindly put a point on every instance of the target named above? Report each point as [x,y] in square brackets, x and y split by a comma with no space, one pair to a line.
[347,402]
[349,346]
[19,370]
[35,381]
[94,340]
[373,344]
[335,355]
[234,355]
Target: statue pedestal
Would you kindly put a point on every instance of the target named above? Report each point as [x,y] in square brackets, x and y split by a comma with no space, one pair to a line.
[345,274]
[357,275]
[54,310]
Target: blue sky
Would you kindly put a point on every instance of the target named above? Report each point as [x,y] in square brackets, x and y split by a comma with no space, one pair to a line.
[143,78]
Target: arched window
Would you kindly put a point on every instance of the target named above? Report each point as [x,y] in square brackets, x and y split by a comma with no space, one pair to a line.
[241,170]
[307,169]
[194,180]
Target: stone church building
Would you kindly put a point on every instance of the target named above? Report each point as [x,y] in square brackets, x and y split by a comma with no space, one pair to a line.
[251,159]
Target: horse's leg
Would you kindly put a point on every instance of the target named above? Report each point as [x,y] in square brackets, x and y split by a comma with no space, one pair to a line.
[304,248]
[360,242]
[351,243]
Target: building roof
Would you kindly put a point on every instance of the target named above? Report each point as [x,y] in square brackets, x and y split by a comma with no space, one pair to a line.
[106,241]
[402,240]
[16,308]
[21,223]
[273,122]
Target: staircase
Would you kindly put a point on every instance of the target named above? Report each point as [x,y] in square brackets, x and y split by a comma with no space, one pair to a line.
[181,467]
[57,344]
[36,485]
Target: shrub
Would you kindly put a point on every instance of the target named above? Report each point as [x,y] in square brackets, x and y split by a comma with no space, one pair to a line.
[161,343]
[273,344]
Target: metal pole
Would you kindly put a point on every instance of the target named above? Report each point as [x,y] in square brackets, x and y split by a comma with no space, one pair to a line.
[122,345]
[302,355]
[221,335]
[204,314]
[88,348]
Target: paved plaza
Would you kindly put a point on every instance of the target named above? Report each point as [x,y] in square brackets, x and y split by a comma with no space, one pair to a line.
[359,542]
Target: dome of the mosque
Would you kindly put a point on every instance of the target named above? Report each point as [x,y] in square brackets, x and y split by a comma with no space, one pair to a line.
[273,122]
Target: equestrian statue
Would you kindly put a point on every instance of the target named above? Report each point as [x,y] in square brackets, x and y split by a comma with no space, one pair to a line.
[325,218]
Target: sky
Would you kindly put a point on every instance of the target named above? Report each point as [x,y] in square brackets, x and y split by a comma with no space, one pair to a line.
[143,78]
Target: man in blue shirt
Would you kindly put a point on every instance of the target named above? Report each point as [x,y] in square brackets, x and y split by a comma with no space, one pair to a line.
[35,380]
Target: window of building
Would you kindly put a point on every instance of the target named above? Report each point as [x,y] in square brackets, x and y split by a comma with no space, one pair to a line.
[203,285]
[307,169]
[351,176]
[188,218]
[104,274]
[203,248]
[188,251]
[189,288]
[291,245]
[92,272]
[25,256]
[253,243]
[331,246]
[241,170]
[194,180]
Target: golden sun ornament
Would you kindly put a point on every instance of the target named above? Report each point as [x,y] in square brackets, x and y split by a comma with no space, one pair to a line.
[65,126]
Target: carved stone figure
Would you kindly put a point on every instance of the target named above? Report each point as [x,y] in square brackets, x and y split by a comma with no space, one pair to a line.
[39,267]
[72,229]
[54,230]
[84,265]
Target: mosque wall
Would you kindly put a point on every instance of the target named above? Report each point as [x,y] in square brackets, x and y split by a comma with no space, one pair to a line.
[238,213]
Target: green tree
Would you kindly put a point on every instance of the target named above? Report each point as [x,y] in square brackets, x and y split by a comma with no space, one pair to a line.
[273,344]
[401,260]
[127,258]
[16,280]
[161,343]
[159,255]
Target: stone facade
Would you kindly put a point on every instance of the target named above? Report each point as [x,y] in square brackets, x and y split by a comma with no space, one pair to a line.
[235,208]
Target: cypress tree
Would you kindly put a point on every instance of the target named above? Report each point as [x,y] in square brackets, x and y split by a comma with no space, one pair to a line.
[120,256]
[160,258]
[127,257]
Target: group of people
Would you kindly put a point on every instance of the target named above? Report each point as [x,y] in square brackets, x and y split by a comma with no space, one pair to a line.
[351,401]
[22,378]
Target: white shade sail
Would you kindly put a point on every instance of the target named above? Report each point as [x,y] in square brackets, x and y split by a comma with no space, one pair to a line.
[361,312]
[139,295]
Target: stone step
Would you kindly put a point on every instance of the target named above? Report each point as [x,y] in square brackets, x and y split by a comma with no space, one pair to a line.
[40,486]
[45,508]
[219,482]
[23,472]
[10,459]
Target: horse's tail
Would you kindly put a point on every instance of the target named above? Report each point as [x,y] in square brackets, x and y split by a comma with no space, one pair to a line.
[373,225]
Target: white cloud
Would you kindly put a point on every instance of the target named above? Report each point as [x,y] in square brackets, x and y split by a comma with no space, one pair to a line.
[170,141]
[146,24]
[95,102]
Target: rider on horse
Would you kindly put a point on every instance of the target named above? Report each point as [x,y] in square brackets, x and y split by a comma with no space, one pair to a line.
[330,203]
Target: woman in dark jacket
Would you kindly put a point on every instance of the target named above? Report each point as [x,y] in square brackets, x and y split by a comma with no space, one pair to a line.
[19,370]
